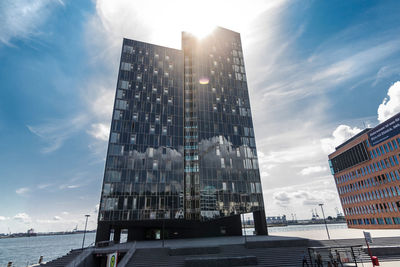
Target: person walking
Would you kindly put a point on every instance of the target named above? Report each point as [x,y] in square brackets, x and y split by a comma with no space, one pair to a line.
[319,260]
[338,259]
[305,263]
[331,256]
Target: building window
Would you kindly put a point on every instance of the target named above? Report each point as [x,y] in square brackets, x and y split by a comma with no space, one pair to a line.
[126,66]
[121,94]
[224,186]
[217,151]
[150,152]
[118,114]
[128,49]
[124,84]
[155,165]
[113,176]
[114,137]
[394,144]
[121,104]
[133,138]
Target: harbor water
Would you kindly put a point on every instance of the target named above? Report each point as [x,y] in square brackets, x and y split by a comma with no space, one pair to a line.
[23,251]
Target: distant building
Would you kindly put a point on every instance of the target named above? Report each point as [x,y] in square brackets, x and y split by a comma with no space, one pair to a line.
[366,170]
[182,156]
[277,220]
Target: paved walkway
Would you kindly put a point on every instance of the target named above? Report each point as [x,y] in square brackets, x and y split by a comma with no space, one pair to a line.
[335,233]
[384,264]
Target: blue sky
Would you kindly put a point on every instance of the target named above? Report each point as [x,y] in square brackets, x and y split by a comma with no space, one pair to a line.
[318,71]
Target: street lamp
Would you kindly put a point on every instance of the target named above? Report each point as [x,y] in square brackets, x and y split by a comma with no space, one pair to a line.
[84,233]
[243,220]
[326,226]
[163,229]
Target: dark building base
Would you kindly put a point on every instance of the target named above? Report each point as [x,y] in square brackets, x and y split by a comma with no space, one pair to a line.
[173,228]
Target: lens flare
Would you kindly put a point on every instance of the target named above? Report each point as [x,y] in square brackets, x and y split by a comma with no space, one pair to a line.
[204,80]
[200,30]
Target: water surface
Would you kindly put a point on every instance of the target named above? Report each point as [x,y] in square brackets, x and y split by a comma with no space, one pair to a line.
[27,250]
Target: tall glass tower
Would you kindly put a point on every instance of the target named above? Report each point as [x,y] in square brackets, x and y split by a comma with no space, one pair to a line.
[182,159]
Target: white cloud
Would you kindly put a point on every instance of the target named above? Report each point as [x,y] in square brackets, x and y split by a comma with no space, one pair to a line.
[163,25]
[339,135]
[313,169]
[69,186]
[281,198]
[57,218]
[299,199]
[23,218]
[43,186]
[100,131]
[101,100]
[3,218]
[96,208]
[391,104]
[284,199]
[22,190]
[384,72]
[65,213]
[291,109]
[22,18]
[55,132]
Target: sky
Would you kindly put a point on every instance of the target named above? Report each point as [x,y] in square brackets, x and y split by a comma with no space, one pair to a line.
[318,73]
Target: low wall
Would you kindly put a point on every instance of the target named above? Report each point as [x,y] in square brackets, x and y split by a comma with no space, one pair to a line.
[384,251]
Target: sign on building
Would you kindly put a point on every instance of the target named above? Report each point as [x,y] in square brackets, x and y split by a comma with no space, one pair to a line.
[112,259]
[368,237]
[385,130]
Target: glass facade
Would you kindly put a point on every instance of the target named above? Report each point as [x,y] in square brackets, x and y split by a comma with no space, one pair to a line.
[221,168]
[182,143]
[144,165]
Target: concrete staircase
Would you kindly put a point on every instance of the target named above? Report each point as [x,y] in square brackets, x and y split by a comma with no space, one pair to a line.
[265,251]
[277,256]
[270,257]
[64,260]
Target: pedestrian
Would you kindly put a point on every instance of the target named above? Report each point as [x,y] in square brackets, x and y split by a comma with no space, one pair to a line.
[338,259]
[305,263]
[319,260]
[331,256]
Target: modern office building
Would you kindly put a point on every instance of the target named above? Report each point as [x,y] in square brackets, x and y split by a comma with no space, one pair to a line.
[182,158]
[367,175]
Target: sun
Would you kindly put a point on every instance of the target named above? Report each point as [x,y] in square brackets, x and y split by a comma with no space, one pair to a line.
[200,29]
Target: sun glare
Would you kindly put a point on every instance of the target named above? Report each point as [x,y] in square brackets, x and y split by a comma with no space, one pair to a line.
[200,29]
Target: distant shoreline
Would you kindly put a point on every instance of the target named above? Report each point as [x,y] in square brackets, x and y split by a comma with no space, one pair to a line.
[18,235]
[303,223]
